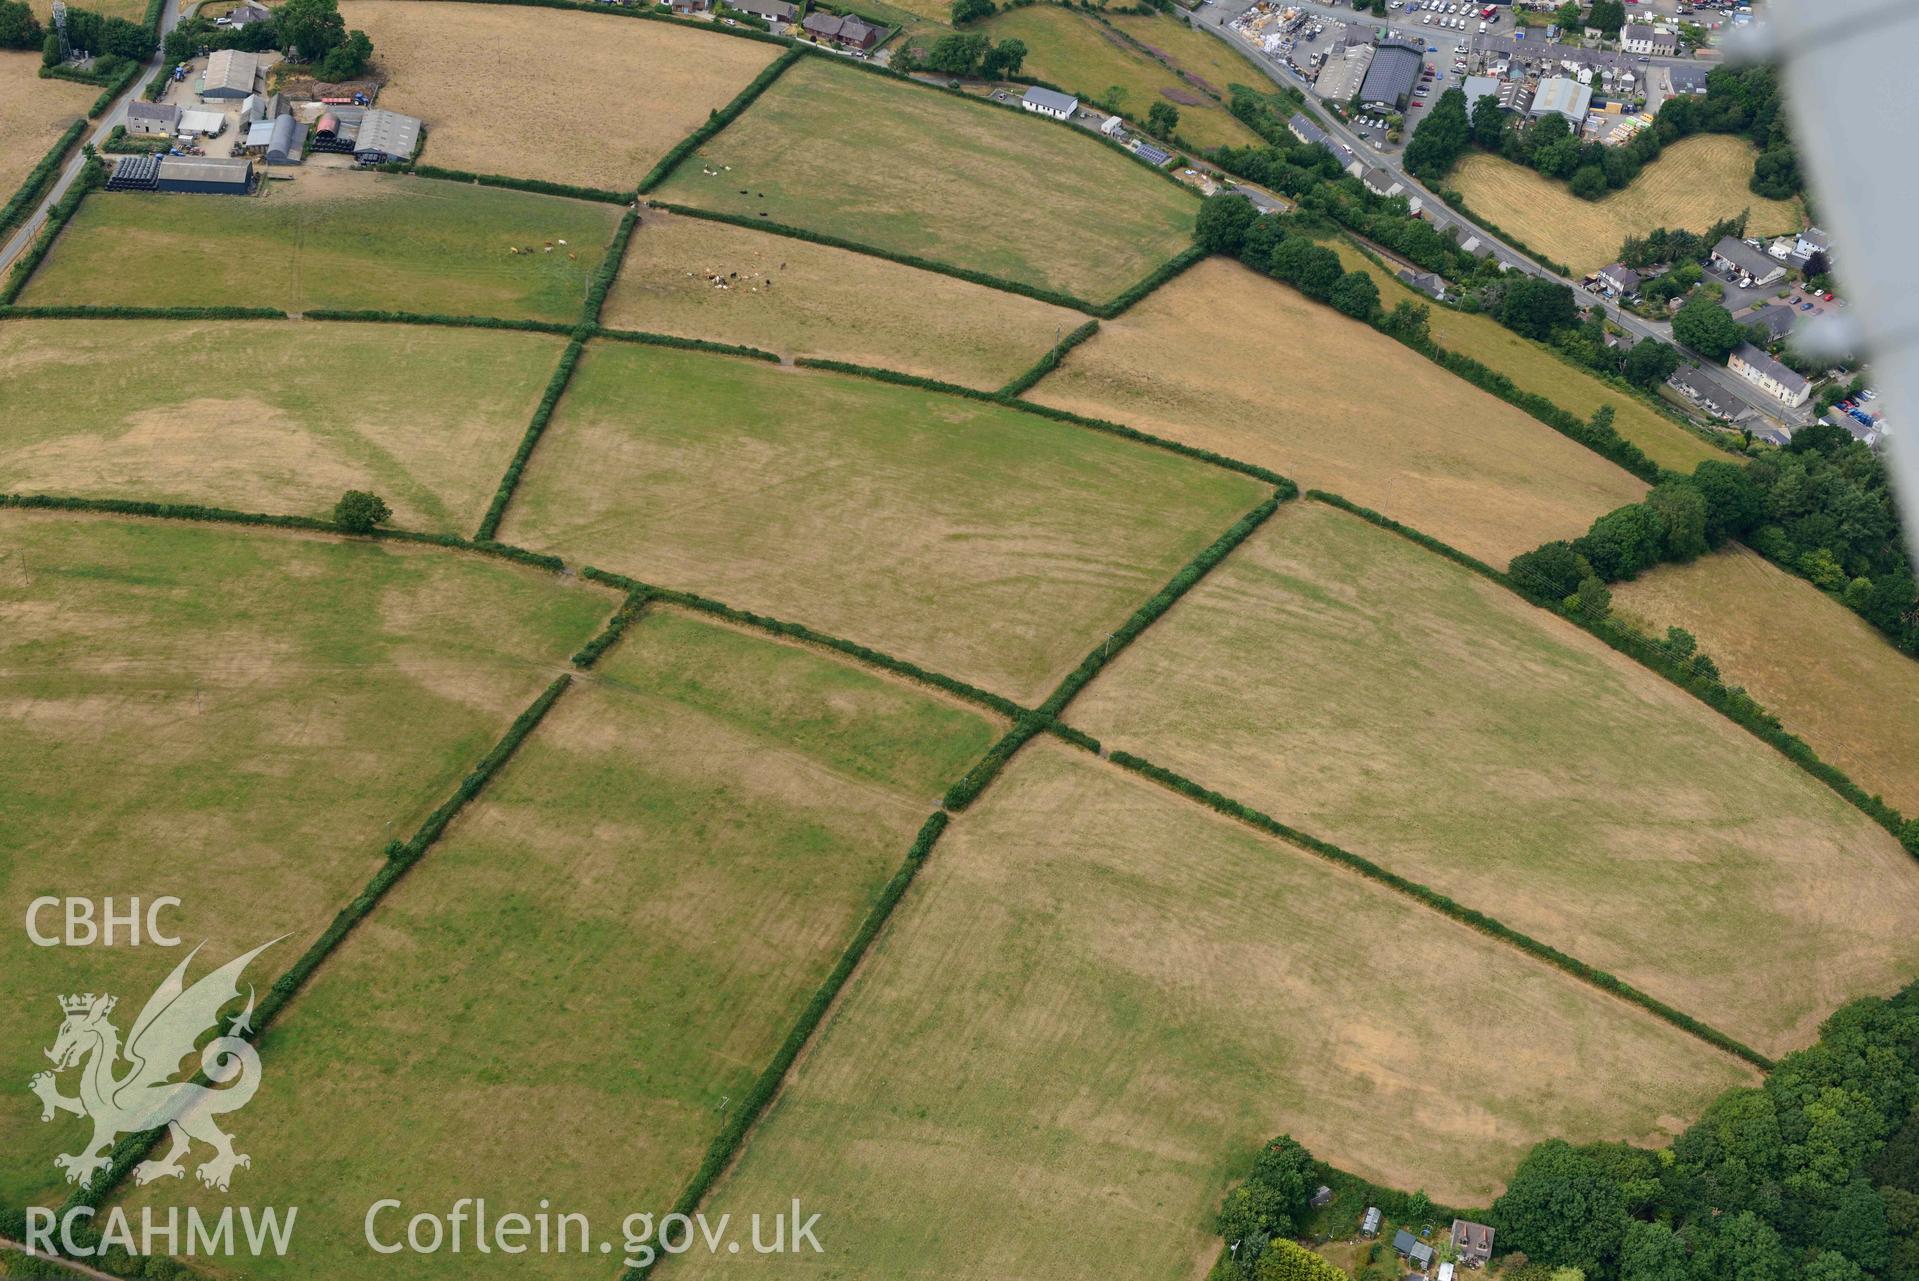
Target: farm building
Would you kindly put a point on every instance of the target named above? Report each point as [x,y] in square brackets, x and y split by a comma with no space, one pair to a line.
[384,136]
[209,124]
[281,140]
[230,73]
[773,11]
[263,106]
[1732,254]
[1389,81]
[1344,73]
[1562,96]
[206,175]
[1478,87]
[1047,103]
[153,118]
[1762,371]
[1472,1242]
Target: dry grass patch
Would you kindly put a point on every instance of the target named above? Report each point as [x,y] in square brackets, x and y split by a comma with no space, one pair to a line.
[608,945]
[1349,682]
[1228,360]
[931,174]
[1696,182]
[270,416]
[33,115]
[593,100]
[975,539]
[1821,668]
[803,299]
[1098,998]
[1537,370]
[238,718]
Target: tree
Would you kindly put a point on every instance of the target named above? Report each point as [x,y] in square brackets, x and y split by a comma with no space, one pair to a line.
[359,512]
[1409,322]
[1003,59]
[1743,1247]
[1681,512]
[1561,1209]
[346,60]
[1567,15]
[1707,328]
[1489,123]
[957,54]
[1734,504]
[1356,295]
[1622,542]
[1161,119]
[1223,223]
[1650,1252]
[19,29]
[1608,16]
[1593,600]
[1535,307]
[965,11]
[310,27]
[1289,1261]
[1589,183]
[1440,138]
[1651,363]
[1551,572]
[1320,273]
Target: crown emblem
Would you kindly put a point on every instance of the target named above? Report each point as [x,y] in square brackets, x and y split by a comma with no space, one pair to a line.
[81,1004]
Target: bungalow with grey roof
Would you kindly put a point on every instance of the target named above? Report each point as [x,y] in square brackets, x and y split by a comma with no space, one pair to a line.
[1733,254]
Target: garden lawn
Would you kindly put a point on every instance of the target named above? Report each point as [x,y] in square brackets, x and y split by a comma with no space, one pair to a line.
[974,539]
[803,299]
[336,240]
[238,718]
[268,416]
[563,998]
[1374,694]
[1098,998]
[935,175]
[1228,360]
[1827,673]
[1535,368]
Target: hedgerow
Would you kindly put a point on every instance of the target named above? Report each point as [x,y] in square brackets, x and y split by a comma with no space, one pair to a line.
[83,312]
[1427,541]
[1439,902]
[684,344]
[623,618]
[371,317]
[1602,440]
[609,268]
[974,781]
[718,120]
[92,174]
[741,1119]
[1049,362]
[535,185]
[1165,272]
[542,413]
[40,178]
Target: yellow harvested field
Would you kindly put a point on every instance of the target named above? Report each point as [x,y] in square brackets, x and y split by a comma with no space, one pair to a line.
[1536,369]
[1809,660]
[1098,997]
[242,414]
[1350,682]
[33,115]
[1230,361]
[588,99]
[802,299]
[1696,182]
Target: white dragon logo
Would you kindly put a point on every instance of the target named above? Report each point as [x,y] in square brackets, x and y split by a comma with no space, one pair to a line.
[145,1097]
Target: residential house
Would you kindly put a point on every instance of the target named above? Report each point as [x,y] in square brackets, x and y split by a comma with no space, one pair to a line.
[1782,384]
[848,32]
[692,8]
[1688,78]
[1048,103]
[1381,182]
[1697,386]
[1426,283]
[774,12]
[1305,130]
[1619,280]
[152,117]
[1415,1251]
[1472,1243]
[1113,126]
[1645,38]
[247,13]
[1777,317]
[1735,255]
[1814,241]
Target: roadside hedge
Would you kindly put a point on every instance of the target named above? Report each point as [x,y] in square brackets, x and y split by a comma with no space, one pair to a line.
[728,1140]
[115,87]
[630,609]
[92,174]
[1161,601]
[1049,362]
[909,260]
[433,318]
[21,203]
[542,414]
[718,120]
[684,344]
[1440,903]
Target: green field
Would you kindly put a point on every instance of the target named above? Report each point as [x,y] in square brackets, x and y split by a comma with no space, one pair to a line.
[933,175]
[333,239]
[607,947]
[240,719]
[975,539]
[1097,999]
[1355,685]
[268,415]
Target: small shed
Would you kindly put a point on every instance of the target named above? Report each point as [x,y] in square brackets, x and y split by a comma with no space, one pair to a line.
[205,175]
[207,124]
[1414,1250]
[1369,1225]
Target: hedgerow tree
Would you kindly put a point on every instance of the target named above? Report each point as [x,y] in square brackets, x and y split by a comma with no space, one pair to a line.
[965,11]
[1356,295]
[19,29]
[1223,223]
[1003,59]
[359,512]
[1162,118]
[346,60]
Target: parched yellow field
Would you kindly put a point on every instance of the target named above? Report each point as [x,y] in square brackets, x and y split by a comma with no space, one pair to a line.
[1537,370]
[1696,182]
[1075,51]
[1809,660]
[1230,361]
[33,115]
[239,718]
[561,999]
[268,416]
[1098,997]
[588,99]
[1356,685]
[802,299]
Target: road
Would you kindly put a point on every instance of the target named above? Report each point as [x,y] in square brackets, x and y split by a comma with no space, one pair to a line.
[1216,16]
[114,115]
